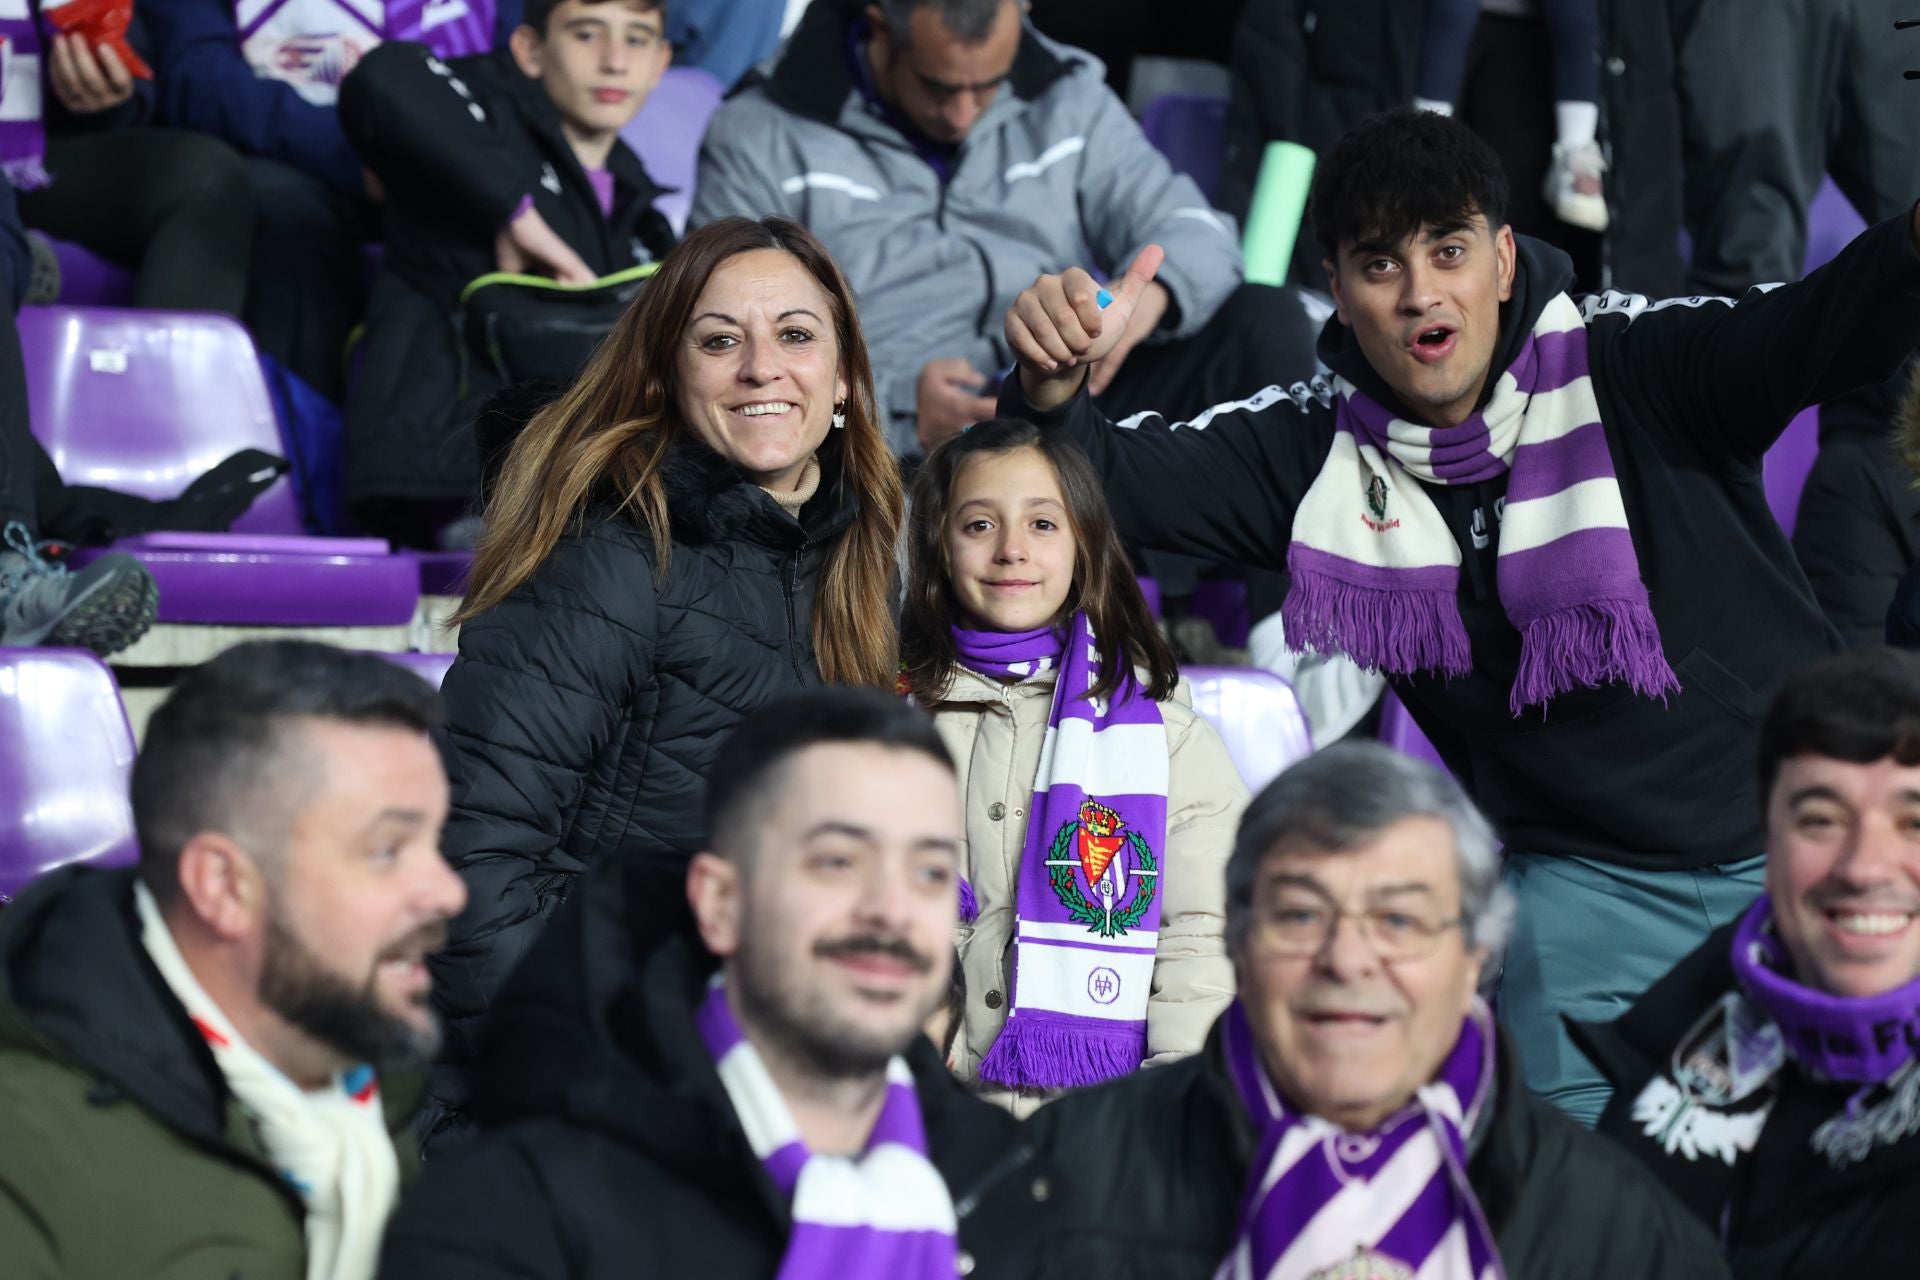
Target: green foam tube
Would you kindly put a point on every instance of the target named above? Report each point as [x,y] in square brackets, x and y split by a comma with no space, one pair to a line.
[1279,203]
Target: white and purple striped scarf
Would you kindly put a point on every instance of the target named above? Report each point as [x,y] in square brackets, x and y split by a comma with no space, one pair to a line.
[1087,901]
[23,132]
[1324,1202]
[1376,571]
[885,1216]
[313,44]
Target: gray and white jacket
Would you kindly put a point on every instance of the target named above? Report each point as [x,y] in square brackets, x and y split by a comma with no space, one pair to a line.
[1054,174]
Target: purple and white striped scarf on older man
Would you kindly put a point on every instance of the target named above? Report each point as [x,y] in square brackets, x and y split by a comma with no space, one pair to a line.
[886,1215]
[1321,1201]
[1376,571]
[23,134]
[1087,900]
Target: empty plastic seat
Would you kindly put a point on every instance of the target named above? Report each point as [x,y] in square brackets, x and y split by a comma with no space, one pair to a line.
[147,401]
[667,134]
[1190,131]
[1398,731]
[1257,714]
[66,756]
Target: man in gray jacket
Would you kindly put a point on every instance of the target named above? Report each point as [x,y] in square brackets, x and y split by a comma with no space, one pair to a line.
[948,154]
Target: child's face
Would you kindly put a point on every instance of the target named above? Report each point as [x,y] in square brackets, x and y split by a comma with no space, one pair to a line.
[1010,545]
[598,62]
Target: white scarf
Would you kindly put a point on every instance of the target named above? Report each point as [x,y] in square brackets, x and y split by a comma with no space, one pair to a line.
[330,1144]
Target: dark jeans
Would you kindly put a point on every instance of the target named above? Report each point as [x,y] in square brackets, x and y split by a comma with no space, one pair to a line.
[174,206]
[308,285]
[1573,33]
[1260,336]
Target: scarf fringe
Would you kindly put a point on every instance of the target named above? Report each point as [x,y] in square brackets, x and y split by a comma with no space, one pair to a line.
[1590,644]
[27,173]
[1037,1052]
[969,904]
[1396,631]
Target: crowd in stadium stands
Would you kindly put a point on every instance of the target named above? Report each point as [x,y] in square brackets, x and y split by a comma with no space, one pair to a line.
[848,842]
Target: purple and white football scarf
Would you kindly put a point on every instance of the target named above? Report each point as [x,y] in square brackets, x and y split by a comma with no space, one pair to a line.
[313,44]
[1376,571]
[23,132]
[1322,1202]
[1087,901]
[330,1144]
[885,1216]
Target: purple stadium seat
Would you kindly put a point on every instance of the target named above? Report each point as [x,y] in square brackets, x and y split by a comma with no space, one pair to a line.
[443,573]
[1257,714]
[1784,473]
[89,280]
[1831,224]
[1150,590]
[66,752]
[431,667]
[1223,602]
[1398,731]
[145,402]
[1189,131]
[667,134]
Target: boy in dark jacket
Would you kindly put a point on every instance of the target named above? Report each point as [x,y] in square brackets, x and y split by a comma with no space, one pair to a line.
[1542,519]
[1772,1080]
[1355,1112]
[765,1103]
[506,162]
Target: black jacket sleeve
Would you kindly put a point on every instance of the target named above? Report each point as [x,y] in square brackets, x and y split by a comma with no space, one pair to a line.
[1223,485]
[430,138]
[1729,376]
[543,683]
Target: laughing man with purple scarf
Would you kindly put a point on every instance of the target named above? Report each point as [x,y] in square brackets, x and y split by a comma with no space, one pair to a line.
[1772,1080]
[1541,517]
[1355,1114]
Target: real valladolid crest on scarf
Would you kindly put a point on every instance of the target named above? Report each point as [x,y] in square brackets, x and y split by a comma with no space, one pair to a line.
[1376,570]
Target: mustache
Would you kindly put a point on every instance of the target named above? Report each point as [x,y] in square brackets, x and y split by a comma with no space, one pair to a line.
[875,944]
[427,939]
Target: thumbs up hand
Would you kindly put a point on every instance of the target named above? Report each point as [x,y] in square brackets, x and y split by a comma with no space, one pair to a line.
[1057,328]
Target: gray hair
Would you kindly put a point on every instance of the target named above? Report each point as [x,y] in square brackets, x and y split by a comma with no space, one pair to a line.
[1340,798]
[968,21]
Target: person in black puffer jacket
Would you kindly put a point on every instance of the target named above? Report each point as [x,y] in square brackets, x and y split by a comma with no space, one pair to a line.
[657,563]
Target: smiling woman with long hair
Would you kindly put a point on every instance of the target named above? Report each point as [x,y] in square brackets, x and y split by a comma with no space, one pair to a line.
[706,520]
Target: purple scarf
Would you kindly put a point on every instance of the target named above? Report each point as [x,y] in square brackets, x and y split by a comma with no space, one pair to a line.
[313,44]
[1376,571]
[884,1216]
[23,134]
[1087,903]
[1313,1188]
[1855,1040]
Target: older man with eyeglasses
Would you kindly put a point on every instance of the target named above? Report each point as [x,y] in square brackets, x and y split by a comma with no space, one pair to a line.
[1356,1114]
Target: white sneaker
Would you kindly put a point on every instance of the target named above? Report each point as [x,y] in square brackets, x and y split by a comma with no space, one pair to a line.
[1573,186]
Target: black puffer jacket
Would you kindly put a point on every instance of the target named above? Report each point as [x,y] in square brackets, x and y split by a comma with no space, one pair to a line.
[613,1151]
[1154,1167]
[584,709]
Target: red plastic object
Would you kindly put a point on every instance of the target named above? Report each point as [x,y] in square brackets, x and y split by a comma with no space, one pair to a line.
[104,24]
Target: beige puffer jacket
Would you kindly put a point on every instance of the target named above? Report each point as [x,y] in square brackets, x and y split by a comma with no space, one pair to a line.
[994,732]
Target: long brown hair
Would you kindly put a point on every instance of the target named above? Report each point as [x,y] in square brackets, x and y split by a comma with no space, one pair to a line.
[611,432]
[1103,581]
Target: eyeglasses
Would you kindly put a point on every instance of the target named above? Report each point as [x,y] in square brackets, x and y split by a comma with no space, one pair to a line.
[1301,929]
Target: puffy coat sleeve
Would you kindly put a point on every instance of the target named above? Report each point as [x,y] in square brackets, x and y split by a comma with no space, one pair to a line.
[1854,535]
[544,683]
[1192,977]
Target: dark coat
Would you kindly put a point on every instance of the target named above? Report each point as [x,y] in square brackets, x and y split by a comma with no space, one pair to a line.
[452,181]
[611,1149]
[1692,393]
[1307,71]
[1155,1167]
[1784,1211]
[122,1153]
[584,709]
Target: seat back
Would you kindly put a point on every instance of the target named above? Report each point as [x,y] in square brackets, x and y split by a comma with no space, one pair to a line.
[431,667]
[66,758]
[1787,465]
[147,401]
[1398,731]
[1190,131]
[1257,714]
[89,280]
[667,134]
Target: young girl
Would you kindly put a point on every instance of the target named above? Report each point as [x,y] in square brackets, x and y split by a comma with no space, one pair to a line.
[1100,808]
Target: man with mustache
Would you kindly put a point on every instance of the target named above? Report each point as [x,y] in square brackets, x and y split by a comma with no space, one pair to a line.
[1772,1080]
[208,1063]
[1355,1115]
[760,1101]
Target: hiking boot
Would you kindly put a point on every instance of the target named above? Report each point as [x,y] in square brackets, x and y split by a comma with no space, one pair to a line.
[1574,188]
[104,607]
